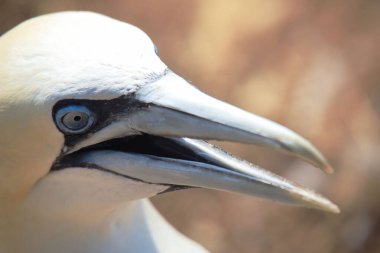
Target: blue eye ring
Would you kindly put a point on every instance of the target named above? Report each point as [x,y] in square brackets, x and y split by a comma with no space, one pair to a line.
[74,119]
[155,49]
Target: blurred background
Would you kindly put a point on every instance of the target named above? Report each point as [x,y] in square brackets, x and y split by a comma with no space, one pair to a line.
[313,66]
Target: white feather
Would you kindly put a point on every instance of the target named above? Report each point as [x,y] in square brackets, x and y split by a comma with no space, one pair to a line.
[72,55]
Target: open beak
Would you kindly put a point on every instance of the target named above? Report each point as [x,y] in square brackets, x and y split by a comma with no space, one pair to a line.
[152,144]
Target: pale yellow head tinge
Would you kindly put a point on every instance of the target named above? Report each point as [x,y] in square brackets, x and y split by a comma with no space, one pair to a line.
[53,57]
[111,69]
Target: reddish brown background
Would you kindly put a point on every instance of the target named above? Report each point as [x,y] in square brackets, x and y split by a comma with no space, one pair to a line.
[310,65]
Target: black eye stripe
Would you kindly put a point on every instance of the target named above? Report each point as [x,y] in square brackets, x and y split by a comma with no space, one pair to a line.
[104,111]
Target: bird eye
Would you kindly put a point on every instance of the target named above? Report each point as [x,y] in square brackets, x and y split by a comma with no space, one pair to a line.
[74,119]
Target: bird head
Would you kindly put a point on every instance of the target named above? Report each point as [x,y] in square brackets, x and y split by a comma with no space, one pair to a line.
[90,114]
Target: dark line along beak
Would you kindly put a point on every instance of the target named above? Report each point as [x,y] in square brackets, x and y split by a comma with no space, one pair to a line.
[176,110]
[179,109]
[209,167]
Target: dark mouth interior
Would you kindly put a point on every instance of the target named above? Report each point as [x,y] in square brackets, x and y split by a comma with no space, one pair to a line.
[140,144]
[150,145]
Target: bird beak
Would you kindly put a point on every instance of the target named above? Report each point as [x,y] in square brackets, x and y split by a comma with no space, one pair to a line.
[161,152]
[179,109]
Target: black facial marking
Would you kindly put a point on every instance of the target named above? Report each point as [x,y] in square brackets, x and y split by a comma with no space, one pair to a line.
[173,188]
[105,111]
[158,148]
[70,162]
[64,163]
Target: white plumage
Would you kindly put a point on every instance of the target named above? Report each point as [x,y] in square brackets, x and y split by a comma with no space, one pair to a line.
[93,122]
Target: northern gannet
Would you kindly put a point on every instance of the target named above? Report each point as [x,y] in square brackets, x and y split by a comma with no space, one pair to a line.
[93,123]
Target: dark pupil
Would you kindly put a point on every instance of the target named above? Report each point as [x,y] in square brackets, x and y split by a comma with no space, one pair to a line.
[75,120]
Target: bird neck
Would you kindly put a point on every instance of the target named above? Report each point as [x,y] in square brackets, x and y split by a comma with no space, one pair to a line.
[24,160]
[134,226]
[147,231]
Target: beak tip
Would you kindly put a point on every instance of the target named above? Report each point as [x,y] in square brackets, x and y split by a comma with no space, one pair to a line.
[310,199]
[328,169]
[336,210]
[328,207]
[321,162]
[332,208]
